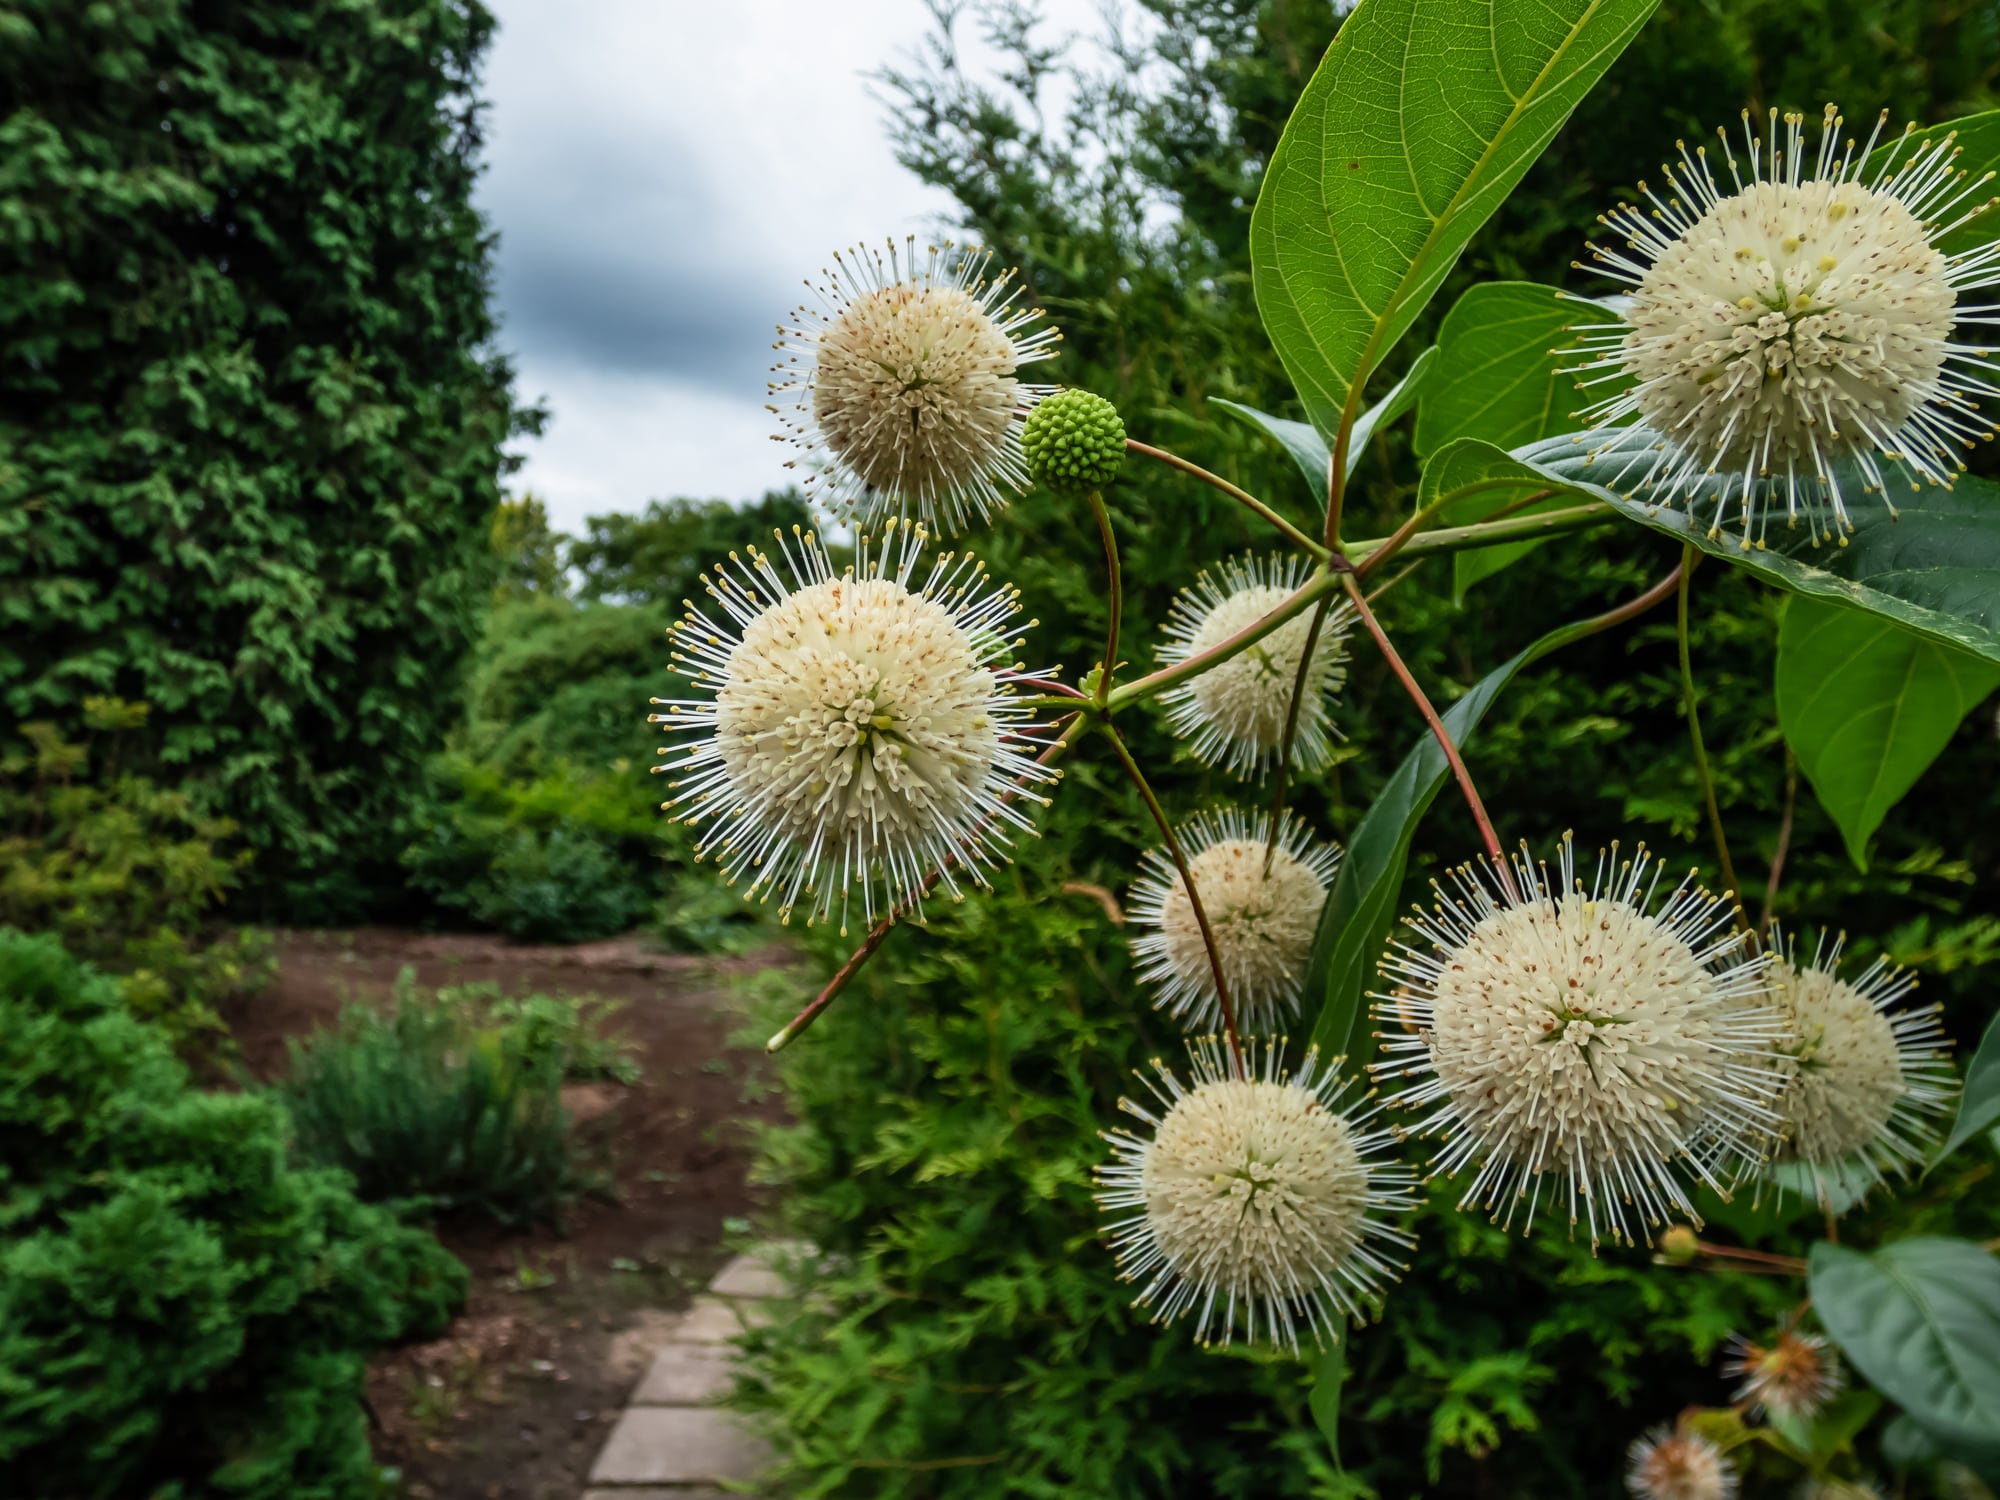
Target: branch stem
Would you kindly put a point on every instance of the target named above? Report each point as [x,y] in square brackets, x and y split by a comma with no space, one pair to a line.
[1179,858]
[1438,732]
[1689,557]
[1291,731]
[1241,496]
[1116,603]
[1784,844]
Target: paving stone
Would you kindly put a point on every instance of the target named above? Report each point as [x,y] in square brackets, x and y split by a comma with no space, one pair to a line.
[678,1445]
[685,1375]
[717,1320]
[749,1276]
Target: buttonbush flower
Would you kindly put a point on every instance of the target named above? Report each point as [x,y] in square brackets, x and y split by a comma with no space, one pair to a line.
[1863,1083]
[1234,714]
[1596,1035]
[1257,1200]
[1671,1463]
[859,727]
[904,372]
[1794,1377]
[1263,914]
[1791,330]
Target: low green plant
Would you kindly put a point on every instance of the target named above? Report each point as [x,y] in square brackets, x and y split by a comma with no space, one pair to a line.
[564,1031]
[424,1100]
[556,855]
[183,1312]
[129,874]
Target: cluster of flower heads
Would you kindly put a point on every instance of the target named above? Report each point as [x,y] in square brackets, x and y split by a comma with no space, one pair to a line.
[859,727]
[1258,1200]
[1790,334]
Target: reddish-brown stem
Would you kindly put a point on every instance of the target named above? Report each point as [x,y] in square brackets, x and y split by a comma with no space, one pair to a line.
[1179,858]
[1050,685]
[1779,1265]
[1501,867]
[1784,845]
[1241,496]
[1292,729]
[880,931]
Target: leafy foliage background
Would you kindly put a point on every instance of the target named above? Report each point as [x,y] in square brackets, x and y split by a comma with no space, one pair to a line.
[250,424]
[976,1342]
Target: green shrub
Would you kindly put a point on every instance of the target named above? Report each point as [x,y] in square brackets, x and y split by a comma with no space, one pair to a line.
[182,1312]
[250,417]
[125,872]
[558,855]
[562,1031]
[428,1101]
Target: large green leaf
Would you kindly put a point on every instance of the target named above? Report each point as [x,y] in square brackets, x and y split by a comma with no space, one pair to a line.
[1484,478]
[1921,1319]
[1308,449]
[1936,570]
[1417,124]
[1979,1105]
[1867,706]
[1354,924]
[1503,351]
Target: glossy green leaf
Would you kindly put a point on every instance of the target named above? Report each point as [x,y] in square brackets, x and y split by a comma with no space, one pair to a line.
[1489,479]
[1503,351]
[1867,706]
[1329,1373]
[1979,1105]
[1417,124]
[1920,1318]
[1936,570]
[1831,1432]
[1354,924]
[1308,449]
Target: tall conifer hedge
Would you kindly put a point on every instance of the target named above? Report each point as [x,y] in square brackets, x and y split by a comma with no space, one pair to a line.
[250,420]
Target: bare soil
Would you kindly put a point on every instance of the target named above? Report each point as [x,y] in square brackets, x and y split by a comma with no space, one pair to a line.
[514,1401]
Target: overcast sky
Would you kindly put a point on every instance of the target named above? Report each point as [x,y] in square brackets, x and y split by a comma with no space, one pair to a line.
[663,175]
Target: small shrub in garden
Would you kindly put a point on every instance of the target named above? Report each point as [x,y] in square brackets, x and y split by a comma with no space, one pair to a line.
[1467,1131]
[182,1311]
[568,1032]
[425,1101]
[127,872]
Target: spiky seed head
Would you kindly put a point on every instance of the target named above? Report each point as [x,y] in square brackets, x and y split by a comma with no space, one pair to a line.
[1788,340]
[1672,1463]
[903,374]
[1262,901]
[1234,714]
[856,729]
[1592,1040]
[1074,442]
[1257,1199]
[1793,1376]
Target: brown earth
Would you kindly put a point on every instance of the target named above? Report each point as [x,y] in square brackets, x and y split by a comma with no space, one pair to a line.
[514,1401]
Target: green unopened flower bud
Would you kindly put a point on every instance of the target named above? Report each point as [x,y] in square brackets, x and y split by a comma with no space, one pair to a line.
[1075,442]
[1679,1245]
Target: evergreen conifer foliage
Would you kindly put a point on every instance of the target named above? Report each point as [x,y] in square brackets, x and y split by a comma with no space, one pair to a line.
[250,421]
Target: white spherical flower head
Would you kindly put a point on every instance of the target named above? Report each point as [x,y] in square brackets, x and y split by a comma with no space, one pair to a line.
[1794,1376]
[1793,334]
[1257,1200]
[904,375]
[1864,1082]
[1263,912]
[1596,1034]
[1234,715]
[860,727]
[1670,1463]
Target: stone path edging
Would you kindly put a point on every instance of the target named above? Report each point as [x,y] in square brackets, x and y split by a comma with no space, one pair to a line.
[672,1442]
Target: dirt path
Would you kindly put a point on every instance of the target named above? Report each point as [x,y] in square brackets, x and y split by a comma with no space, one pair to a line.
[513,1403]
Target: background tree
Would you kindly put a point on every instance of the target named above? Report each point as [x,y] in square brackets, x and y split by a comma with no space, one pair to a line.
[250,420]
